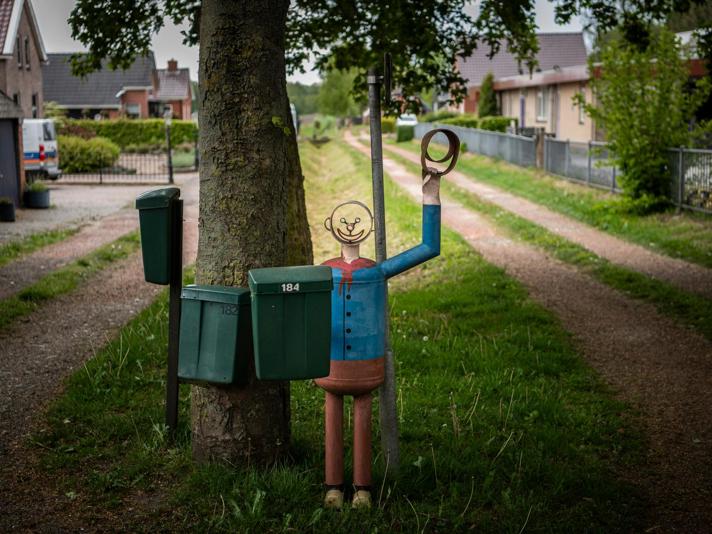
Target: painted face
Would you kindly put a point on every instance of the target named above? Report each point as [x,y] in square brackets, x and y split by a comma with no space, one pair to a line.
[350,222]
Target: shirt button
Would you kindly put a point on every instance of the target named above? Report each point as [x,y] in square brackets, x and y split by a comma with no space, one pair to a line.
[348,330]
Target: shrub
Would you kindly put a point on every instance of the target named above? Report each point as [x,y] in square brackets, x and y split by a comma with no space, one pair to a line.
[405,133]
[388,124]
[496,124]
[488,99]
[86,155]
[644,102]
[6,201]
[466,120]
[438,116]
[36,187]
[125,132]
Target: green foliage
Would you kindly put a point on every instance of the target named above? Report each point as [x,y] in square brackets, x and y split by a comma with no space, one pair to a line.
[496,124]
[53,111]
[36,187]
[388,125]
[125,132]
[304,97]
[85,155]
[487,106]
[405,133]
[438,116]
[644,104]
[466,120]
[6,200]
[335,94]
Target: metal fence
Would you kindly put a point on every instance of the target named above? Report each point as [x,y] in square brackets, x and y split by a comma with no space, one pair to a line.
[587,163]
[156,167]
[590,163]
[515,149]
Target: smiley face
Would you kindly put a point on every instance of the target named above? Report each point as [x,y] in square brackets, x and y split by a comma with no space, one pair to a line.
[350,223]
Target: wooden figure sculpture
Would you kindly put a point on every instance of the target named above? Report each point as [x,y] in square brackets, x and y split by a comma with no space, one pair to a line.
[358,303]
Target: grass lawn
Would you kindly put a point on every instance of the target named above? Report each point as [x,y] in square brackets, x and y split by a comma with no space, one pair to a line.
[14,249]
[503,427]
[183,160]
[687,236]
[66,278]
[690,309]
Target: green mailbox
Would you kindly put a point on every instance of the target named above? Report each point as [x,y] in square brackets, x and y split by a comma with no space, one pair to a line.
[215,334]
[156,217]
[291,321]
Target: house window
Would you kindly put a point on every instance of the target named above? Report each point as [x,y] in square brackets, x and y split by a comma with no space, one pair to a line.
[35,100]
[18,46]
[542,104]
[582,110]
[27,53]
[17,99]
[133,111]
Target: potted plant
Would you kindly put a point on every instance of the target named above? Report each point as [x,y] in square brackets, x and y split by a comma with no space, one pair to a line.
[7,209]
[36,196]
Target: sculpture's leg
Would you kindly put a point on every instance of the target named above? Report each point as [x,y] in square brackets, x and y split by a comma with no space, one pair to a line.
[362,450]
[334,444]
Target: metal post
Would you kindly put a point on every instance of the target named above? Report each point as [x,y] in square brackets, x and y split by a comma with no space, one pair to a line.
[176,282]
[196,160]
[170,155]
[680,180]
[588,175]
[567,158]
[613,181]
[387,398]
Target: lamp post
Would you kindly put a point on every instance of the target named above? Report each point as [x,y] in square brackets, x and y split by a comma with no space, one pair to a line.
[168,119]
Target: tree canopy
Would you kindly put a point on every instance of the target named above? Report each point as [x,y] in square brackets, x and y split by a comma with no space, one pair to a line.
[488,99]
[423,36]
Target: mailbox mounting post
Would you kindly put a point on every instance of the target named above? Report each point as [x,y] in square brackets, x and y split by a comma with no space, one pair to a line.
[387,395]
[176,282]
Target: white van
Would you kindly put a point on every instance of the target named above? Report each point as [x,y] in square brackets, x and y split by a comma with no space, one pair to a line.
[40,146]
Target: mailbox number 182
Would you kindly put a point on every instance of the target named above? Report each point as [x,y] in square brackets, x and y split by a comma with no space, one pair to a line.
[290,288]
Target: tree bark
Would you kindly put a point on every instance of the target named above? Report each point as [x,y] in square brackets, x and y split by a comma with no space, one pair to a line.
[252,211]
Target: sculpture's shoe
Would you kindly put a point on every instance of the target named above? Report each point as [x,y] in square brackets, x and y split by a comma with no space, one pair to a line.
[362,499]
[334,499]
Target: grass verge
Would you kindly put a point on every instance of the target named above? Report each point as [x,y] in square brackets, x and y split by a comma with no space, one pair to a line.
[692,310]
[14,249]
[503,428]
[65,279]
[687,236]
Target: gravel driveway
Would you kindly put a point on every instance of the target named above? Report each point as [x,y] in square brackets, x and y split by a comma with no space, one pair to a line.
[658,366]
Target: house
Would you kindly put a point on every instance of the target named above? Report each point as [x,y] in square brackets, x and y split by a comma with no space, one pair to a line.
[556,50]
[22,55]
[12,176]
[141,91]
[545,100]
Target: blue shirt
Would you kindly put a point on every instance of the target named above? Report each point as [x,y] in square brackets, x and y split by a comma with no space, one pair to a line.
[358,300]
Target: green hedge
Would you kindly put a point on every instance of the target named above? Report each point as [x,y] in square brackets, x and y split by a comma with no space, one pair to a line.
[405,133]
[125,132]
[496,124]
[388,125]
[466,120]
[438,116]
[86,155]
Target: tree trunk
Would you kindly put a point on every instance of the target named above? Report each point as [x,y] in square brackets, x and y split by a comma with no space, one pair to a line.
[252,211]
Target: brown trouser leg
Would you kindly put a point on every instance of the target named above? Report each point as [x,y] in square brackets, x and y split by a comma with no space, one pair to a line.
[362,440]
[334,439]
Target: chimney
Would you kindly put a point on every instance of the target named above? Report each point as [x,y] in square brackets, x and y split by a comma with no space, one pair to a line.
[172,65]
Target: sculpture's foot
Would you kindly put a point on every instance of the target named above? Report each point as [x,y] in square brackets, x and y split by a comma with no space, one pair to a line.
[362,499]
[334,498]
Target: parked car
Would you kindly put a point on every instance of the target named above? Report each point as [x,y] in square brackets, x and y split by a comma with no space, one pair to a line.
[406,120]
[40,146]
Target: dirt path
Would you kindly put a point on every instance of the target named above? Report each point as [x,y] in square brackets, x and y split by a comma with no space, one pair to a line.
[38,353]
[25,271]
[682,274]
[661,368]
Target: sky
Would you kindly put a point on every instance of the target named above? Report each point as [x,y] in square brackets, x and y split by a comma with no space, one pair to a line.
[168,44]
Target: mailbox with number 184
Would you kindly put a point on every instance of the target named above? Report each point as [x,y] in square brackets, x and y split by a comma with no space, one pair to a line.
[291,318]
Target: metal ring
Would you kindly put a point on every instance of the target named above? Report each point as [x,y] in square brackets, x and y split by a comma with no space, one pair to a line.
[453,151]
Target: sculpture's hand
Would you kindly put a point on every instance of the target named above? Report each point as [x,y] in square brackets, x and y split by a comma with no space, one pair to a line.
[431,188]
